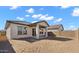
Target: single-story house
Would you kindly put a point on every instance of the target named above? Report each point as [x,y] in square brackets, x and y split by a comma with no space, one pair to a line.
[57,27]
[21,29]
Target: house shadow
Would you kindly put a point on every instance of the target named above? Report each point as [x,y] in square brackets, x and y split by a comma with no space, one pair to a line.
[59,38]
[29,39]
[6,47]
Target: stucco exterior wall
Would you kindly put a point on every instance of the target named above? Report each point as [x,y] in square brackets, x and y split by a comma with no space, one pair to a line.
[8,32]
[12,31]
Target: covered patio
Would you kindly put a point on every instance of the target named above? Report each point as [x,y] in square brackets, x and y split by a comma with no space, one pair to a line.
[39,29]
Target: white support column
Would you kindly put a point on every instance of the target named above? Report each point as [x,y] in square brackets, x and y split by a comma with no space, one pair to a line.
[37,31]
[46,32]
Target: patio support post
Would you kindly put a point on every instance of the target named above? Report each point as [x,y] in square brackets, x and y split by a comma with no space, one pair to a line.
[46,32]
[37,31]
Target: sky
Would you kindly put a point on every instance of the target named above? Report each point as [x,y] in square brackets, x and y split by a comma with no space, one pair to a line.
[67,16]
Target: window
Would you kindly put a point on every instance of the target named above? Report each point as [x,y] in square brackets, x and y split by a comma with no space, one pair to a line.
[22,30]
[25,30]
[19,30]
[41,30]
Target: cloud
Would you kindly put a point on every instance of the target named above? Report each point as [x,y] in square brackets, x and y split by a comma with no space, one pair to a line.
[13,7]
[27,15]
[43,17]
[71,27]
[31,10]
[36,15]
[34,21]
[20,18]
[58,20]
[46,17]
[75,12]
[64,7]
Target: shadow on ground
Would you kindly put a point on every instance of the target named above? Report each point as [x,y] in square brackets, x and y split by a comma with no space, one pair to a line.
[6,47]
[31,40]
[60,38]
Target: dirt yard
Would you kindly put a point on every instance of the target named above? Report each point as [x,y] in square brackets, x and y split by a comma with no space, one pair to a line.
[30,45]
[52,45]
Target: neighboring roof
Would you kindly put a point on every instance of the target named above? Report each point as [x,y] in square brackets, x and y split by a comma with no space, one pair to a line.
[22,23]
[57,26]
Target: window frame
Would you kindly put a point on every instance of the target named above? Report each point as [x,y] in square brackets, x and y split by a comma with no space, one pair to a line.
[22,30]
[18,31]
[42,31]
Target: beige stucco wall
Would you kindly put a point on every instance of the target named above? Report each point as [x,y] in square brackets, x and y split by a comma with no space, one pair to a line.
[8,32]
[12,31]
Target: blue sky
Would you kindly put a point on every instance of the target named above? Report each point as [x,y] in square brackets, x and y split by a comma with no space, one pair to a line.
[67,16]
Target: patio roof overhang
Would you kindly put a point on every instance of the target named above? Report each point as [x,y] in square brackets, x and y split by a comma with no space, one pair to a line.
[41,23]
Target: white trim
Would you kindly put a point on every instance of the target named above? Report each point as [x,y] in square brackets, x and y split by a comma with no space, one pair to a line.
[46,32]
[37,31]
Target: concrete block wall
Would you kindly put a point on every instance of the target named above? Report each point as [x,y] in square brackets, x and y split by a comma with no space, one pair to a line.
[77,34]
[68,34]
